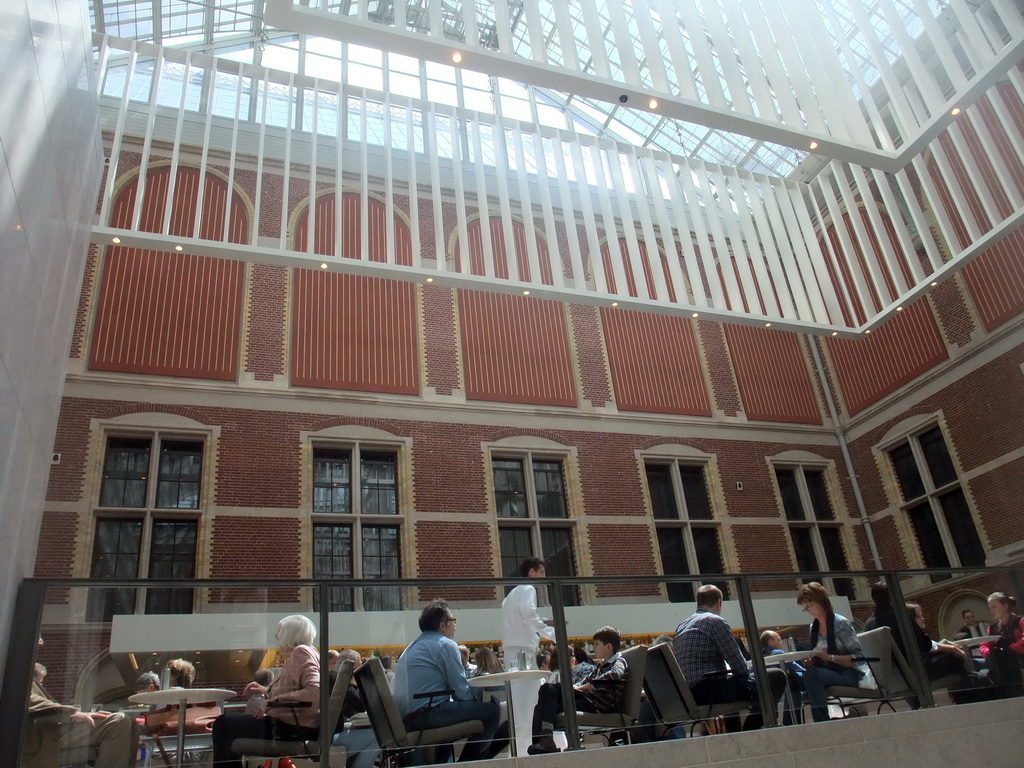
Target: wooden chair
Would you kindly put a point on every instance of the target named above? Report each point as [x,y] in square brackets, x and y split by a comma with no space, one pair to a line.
[606,723]
[392,737]
[256,751]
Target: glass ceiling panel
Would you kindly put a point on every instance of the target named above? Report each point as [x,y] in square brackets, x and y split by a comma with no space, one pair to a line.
[233,29]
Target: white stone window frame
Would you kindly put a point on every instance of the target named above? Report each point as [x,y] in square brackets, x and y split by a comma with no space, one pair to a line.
[801,462]
[909,431]
[676,455]
[357,439]
[528,449]
[155,427]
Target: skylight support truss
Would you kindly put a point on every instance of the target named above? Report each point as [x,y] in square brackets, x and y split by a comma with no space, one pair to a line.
[767,69]
[642,229]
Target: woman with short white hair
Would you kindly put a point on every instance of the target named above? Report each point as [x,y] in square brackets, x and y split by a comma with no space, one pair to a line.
[298,681]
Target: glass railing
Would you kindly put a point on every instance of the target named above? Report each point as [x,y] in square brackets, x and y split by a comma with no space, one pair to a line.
[89,642]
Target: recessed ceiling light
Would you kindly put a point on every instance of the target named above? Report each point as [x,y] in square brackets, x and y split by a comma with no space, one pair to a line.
[526,293]
[934,283]
[954,111]
[178,248]
[430,279]
[653,103]
[695,314]
[615,303]
[868,331]
[767,325]
[456,57]
[115,240]
[814,145]
[899,309]
[835,333]
[323,265]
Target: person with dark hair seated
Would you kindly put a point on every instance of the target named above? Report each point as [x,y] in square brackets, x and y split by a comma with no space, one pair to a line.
[835,658]
[703,645]
[432,663]
[1004,654]
[941,659]
[602,692]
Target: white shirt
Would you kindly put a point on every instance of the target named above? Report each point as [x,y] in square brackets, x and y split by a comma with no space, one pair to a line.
[520,623]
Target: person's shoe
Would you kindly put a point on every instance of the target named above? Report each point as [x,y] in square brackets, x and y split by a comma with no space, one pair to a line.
[545,745]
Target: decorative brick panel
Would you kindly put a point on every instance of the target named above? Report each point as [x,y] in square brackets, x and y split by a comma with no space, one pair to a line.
[255,547]
[591,363]
[265,322]
[723,381]
[773,375]
[655,365]
[440,339]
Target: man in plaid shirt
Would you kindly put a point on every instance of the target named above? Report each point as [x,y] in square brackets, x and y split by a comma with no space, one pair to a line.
[704,644]
[601,692]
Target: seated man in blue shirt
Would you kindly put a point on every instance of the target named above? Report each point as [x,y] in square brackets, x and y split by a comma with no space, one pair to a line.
[432,663]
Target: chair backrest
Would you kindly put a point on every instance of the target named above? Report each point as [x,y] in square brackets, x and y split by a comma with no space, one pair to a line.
[337,701]
[636,663]
[667,691]
[891,671]
[380,704]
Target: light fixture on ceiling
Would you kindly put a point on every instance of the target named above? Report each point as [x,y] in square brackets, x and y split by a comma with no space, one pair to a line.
[615,303]
[813,145]
[954,111]
[430,279]
[323,265]
[835,333]
[695,314]
[178,248]
[457,57]
[653,103]
[115,240]
[767,325]
[934,283]
[526,293]
[868,331]
[899,309]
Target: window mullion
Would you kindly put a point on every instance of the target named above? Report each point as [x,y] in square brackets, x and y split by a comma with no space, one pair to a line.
[805,495]
[153,473]
[944,533]
[677,487]
[532,508]
[355,480]
[922,466]
[142,566]
[692,563]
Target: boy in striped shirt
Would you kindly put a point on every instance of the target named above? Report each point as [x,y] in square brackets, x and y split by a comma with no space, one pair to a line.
[601,692]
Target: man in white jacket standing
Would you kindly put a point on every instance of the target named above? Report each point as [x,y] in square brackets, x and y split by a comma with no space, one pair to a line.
[522,629]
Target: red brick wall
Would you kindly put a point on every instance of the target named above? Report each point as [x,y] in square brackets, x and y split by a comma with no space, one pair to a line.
[440,339]
[255,547]
[265,322]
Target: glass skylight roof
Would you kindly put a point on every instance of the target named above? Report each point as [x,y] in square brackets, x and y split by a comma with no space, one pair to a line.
[234,30]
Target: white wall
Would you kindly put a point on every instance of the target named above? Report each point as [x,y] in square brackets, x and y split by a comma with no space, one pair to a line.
[50,164]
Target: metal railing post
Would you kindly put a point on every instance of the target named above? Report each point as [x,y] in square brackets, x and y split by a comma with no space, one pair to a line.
[910,651]
[326,728]
[28,616]
[764,690]
[572,733]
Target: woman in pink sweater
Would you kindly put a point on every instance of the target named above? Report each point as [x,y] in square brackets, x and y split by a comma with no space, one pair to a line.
[298,681]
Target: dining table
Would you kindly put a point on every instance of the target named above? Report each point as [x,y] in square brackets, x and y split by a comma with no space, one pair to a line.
[181,697]
[508,679]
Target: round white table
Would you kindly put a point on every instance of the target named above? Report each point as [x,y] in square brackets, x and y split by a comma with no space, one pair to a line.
[182,697]
[974,642]
[512,676]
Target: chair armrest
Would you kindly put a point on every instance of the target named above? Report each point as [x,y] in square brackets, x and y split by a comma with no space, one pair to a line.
[433,694]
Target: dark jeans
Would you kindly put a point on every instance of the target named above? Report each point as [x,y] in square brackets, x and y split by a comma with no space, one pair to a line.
[227,728]
[1002,670]
[549,704]
[451,712]
[719,690]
